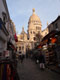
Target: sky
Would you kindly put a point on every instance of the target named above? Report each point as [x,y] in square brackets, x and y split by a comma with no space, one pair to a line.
[21,10]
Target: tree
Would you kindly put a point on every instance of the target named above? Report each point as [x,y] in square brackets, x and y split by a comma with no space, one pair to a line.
[38,37]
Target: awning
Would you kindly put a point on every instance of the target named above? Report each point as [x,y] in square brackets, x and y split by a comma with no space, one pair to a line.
[46,39]
[42,43]
[51,34]
[16,38]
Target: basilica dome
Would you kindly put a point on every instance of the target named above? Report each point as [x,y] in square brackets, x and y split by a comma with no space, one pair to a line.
[34,17]
[34,26]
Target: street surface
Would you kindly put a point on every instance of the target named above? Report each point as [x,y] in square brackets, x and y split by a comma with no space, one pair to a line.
[28,70]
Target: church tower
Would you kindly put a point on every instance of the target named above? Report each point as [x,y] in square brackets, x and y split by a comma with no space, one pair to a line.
[34,26]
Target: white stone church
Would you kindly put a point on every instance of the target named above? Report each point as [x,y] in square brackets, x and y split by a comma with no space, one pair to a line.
[27,40]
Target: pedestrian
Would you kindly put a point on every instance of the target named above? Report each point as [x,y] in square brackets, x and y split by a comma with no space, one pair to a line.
[22,57]
[41,60]
[26,55]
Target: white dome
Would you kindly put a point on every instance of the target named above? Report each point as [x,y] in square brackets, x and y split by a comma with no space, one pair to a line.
[34,17]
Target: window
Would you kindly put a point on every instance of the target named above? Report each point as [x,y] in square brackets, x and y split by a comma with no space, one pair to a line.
[20,48]
[31,32]
[45,33]
[38,28]
[21,37]
[28,38]
[34,38]
[38,32]
[56,26]
[16,47]
[4,17]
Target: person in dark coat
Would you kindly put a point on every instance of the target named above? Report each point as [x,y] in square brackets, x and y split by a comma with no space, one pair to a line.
[41,60]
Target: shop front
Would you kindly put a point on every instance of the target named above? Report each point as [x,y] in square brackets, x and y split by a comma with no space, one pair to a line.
[3,38]
[51,48]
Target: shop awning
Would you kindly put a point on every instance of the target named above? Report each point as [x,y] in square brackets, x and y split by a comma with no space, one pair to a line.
[16,38]
[46,39]
[51,34]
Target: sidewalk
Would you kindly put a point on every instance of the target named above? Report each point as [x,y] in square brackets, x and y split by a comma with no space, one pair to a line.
[54,68]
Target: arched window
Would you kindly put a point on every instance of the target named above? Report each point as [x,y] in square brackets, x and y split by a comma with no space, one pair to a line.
[34,38]
[31,32]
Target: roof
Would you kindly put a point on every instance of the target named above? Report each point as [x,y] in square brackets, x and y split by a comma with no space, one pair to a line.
[51,34]
[56,20]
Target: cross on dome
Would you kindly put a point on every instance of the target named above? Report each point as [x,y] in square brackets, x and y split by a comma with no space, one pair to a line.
[47,23]
[33,10]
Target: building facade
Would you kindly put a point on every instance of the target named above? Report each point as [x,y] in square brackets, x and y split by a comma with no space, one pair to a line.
[27,40]
[4,22]
[7,28]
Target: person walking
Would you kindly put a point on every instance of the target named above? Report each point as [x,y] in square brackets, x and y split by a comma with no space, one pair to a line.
[41,60]
[22,58]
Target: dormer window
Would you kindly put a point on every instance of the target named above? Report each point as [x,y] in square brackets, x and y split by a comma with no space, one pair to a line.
[56,26]
[4,17]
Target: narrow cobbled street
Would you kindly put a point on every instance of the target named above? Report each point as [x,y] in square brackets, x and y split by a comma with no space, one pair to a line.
[29,70]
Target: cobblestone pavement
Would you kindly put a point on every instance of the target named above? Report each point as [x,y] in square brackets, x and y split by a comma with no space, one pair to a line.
[28,70]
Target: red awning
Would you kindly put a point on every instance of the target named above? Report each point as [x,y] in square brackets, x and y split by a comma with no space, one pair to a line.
[16,38]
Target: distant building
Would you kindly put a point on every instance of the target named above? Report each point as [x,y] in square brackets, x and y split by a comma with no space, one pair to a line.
[45,32]
[27,40]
